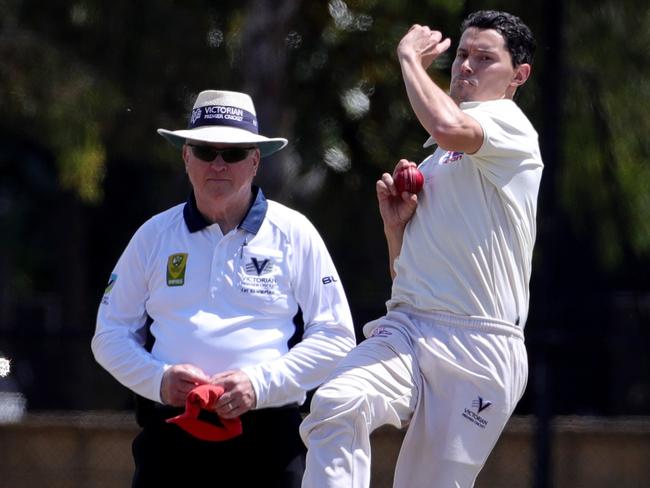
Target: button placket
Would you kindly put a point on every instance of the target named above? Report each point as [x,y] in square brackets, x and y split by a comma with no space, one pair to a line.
[224,258]
[216,268]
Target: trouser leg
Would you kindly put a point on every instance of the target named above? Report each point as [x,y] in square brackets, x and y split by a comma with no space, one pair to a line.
[373,386]
[471,382]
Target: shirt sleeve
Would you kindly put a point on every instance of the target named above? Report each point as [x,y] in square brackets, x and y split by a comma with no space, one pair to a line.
[329,333]
[118,342]
[509,143]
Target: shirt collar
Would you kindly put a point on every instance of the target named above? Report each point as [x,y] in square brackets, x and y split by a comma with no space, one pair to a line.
[251,222]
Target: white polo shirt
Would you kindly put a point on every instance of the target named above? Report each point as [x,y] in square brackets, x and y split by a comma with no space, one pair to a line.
[225,301]
[468,249]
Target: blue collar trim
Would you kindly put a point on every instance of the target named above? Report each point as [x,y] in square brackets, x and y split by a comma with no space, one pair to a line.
[251,222]
[256,213]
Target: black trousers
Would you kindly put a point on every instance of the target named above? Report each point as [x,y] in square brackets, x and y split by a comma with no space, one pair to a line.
[269,453]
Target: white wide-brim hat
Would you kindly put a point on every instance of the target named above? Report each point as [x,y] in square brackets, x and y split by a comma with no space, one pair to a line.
[224,117]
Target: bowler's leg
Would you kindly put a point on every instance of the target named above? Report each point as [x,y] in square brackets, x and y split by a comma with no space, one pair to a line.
[373,386]
[471,385]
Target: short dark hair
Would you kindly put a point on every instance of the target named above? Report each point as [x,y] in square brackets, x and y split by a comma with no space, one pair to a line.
[519,38]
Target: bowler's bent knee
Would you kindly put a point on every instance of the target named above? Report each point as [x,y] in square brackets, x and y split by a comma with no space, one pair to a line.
[334,407]
[337,436]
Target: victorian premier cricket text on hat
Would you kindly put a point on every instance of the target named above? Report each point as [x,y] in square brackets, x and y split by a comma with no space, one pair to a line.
[224,117]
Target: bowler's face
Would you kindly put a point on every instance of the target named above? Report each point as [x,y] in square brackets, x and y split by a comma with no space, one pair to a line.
[482,69]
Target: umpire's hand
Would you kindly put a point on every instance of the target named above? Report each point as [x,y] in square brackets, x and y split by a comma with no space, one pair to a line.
[239,395]
[178,381]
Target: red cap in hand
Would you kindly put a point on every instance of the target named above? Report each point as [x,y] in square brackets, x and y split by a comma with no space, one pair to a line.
[202,423]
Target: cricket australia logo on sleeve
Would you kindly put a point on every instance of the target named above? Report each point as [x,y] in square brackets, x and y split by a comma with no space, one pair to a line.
[176,264]
[109,287]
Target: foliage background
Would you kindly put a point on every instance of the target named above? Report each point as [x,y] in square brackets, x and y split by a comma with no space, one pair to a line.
[84,84]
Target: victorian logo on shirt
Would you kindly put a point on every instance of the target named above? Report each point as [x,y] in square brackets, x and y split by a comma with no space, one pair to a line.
[381,332]
[451,156]
[258,278]
[259,266]
[176,264]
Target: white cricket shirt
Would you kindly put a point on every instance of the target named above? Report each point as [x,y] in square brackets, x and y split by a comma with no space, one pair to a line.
[468,248]
[225,301]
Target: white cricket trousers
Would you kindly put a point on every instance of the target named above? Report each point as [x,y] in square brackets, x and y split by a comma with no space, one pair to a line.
[453,380]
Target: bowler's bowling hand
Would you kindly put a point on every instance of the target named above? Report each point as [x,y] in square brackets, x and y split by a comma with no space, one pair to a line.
[396,208]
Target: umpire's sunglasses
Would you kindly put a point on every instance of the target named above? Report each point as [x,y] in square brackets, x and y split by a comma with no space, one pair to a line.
[229,155]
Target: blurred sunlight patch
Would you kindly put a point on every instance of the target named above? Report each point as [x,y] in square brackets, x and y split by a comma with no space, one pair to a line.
[4,367]
[337,159]
[356,103]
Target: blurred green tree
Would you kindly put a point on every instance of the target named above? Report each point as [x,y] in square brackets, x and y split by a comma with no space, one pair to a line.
[85,83]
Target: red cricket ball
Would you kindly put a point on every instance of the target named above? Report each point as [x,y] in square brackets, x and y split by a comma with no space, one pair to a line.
[409,179]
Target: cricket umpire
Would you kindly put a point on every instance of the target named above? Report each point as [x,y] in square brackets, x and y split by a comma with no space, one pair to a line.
[227,289]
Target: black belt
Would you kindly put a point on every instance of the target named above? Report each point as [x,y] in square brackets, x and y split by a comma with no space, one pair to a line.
[148,412]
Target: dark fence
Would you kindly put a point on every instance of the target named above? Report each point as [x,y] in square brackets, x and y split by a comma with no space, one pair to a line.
[92,450]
